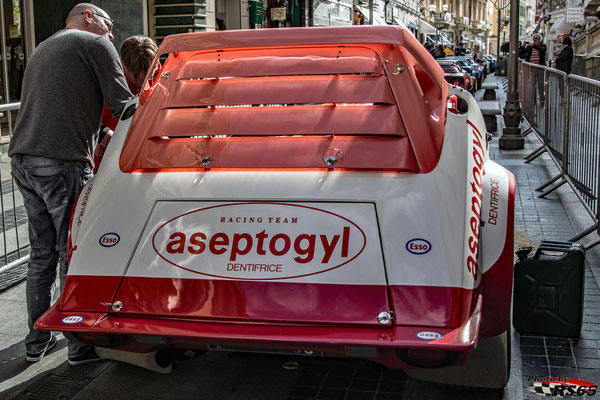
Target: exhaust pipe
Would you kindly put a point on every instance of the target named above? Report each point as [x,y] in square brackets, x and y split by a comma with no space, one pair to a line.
[157,361]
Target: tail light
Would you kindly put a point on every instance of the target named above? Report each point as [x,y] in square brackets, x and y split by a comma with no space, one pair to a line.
[453,104]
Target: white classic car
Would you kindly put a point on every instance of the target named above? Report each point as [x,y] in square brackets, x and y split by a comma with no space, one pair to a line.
[318,191]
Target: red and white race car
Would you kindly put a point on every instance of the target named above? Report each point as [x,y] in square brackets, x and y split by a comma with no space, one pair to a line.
[297,190]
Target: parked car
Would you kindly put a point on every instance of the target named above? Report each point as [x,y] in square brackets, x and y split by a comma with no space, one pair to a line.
[456,75]
[305,191]
[480,67]
[473,70]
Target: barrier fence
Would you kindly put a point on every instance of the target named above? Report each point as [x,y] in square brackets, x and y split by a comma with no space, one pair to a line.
[564,112]
[14,246]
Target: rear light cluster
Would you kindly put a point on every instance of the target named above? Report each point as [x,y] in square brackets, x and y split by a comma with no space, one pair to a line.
[453,104]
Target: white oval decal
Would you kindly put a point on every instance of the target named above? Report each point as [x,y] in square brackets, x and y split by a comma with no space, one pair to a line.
[109,239]
[418,246]
[428,335]
[259,241]
[73,319]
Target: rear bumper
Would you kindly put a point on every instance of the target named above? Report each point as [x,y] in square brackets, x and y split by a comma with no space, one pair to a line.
[143,334]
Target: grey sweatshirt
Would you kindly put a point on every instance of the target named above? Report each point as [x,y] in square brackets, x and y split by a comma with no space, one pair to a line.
[68,78]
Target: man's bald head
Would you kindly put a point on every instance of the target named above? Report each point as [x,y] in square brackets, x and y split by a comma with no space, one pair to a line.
[91,18]
[80,8]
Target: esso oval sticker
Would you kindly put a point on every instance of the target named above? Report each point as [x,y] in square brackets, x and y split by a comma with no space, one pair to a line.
[418,246]
[429,335]
[73,319]
[109,239]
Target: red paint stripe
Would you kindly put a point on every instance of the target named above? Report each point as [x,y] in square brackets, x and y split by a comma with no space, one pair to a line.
[267,301]
[190,331]
[431,305]
[87,292]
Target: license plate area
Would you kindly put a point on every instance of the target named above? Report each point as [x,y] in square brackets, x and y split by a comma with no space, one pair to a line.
[262,261]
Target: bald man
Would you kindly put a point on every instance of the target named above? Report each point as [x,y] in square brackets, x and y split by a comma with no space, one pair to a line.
[67,80]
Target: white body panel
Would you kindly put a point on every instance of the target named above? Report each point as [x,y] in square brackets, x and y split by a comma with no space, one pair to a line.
[432,206]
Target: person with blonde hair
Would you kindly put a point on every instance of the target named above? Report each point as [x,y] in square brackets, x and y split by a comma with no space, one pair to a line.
[137,53]
[67,79]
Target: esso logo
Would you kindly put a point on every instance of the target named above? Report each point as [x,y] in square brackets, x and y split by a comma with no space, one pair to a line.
[428,335]
[109,239]
[73,319]
[418,246]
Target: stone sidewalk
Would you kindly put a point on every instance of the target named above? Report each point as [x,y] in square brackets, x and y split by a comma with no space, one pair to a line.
[557,217]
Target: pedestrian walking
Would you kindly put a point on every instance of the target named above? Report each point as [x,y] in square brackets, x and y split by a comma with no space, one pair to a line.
[67,79]
[536,52]
[565,57]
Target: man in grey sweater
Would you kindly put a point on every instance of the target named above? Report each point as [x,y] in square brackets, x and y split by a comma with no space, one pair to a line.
[68,78]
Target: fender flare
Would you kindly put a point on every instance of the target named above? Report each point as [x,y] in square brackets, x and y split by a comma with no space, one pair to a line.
[497,248]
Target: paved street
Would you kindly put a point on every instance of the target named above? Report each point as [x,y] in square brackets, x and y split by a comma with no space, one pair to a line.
[223,375]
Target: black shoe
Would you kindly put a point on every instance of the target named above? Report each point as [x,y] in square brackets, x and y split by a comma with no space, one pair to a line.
[87,357]
[35,357]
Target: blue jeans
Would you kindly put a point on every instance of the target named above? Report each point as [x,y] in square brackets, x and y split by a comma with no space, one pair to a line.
[49,187]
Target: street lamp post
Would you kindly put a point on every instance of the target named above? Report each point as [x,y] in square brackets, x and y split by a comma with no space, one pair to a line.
[498,36]
[511,138]
[499,5]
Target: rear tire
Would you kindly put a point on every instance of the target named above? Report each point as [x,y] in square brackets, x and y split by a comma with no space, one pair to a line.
[488,366]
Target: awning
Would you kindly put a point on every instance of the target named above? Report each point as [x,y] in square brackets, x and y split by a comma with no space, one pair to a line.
[427,28]
[561,26]
[377,20]
[414,24]
[442,39]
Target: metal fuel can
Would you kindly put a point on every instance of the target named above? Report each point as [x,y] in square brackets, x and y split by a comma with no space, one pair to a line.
[549,289]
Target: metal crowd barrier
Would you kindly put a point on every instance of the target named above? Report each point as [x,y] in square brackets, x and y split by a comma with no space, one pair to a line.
[566,118]
[532,89]
[15,240]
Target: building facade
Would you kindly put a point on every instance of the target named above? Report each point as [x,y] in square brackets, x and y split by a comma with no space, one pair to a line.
[25,23]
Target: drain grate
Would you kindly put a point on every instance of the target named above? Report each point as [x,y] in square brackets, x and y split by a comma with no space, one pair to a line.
[63,382]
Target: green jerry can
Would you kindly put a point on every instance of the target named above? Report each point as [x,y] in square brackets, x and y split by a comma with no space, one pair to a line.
[548,290]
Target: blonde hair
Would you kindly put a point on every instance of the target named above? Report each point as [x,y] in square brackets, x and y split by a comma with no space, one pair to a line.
[137,53]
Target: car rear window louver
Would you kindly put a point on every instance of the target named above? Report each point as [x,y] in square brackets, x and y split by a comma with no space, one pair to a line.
[275,108]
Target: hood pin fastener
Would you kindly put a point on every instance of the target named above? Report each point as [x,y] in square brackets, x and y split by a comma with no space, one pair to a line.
[385,317]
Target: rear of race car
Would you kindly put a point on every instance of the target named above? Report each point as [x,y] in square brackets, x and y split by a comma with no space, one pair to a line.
[301,190]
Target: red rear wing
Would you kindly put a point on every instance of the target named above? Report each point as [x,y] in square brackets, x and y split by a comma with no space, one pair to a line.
[370,97]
